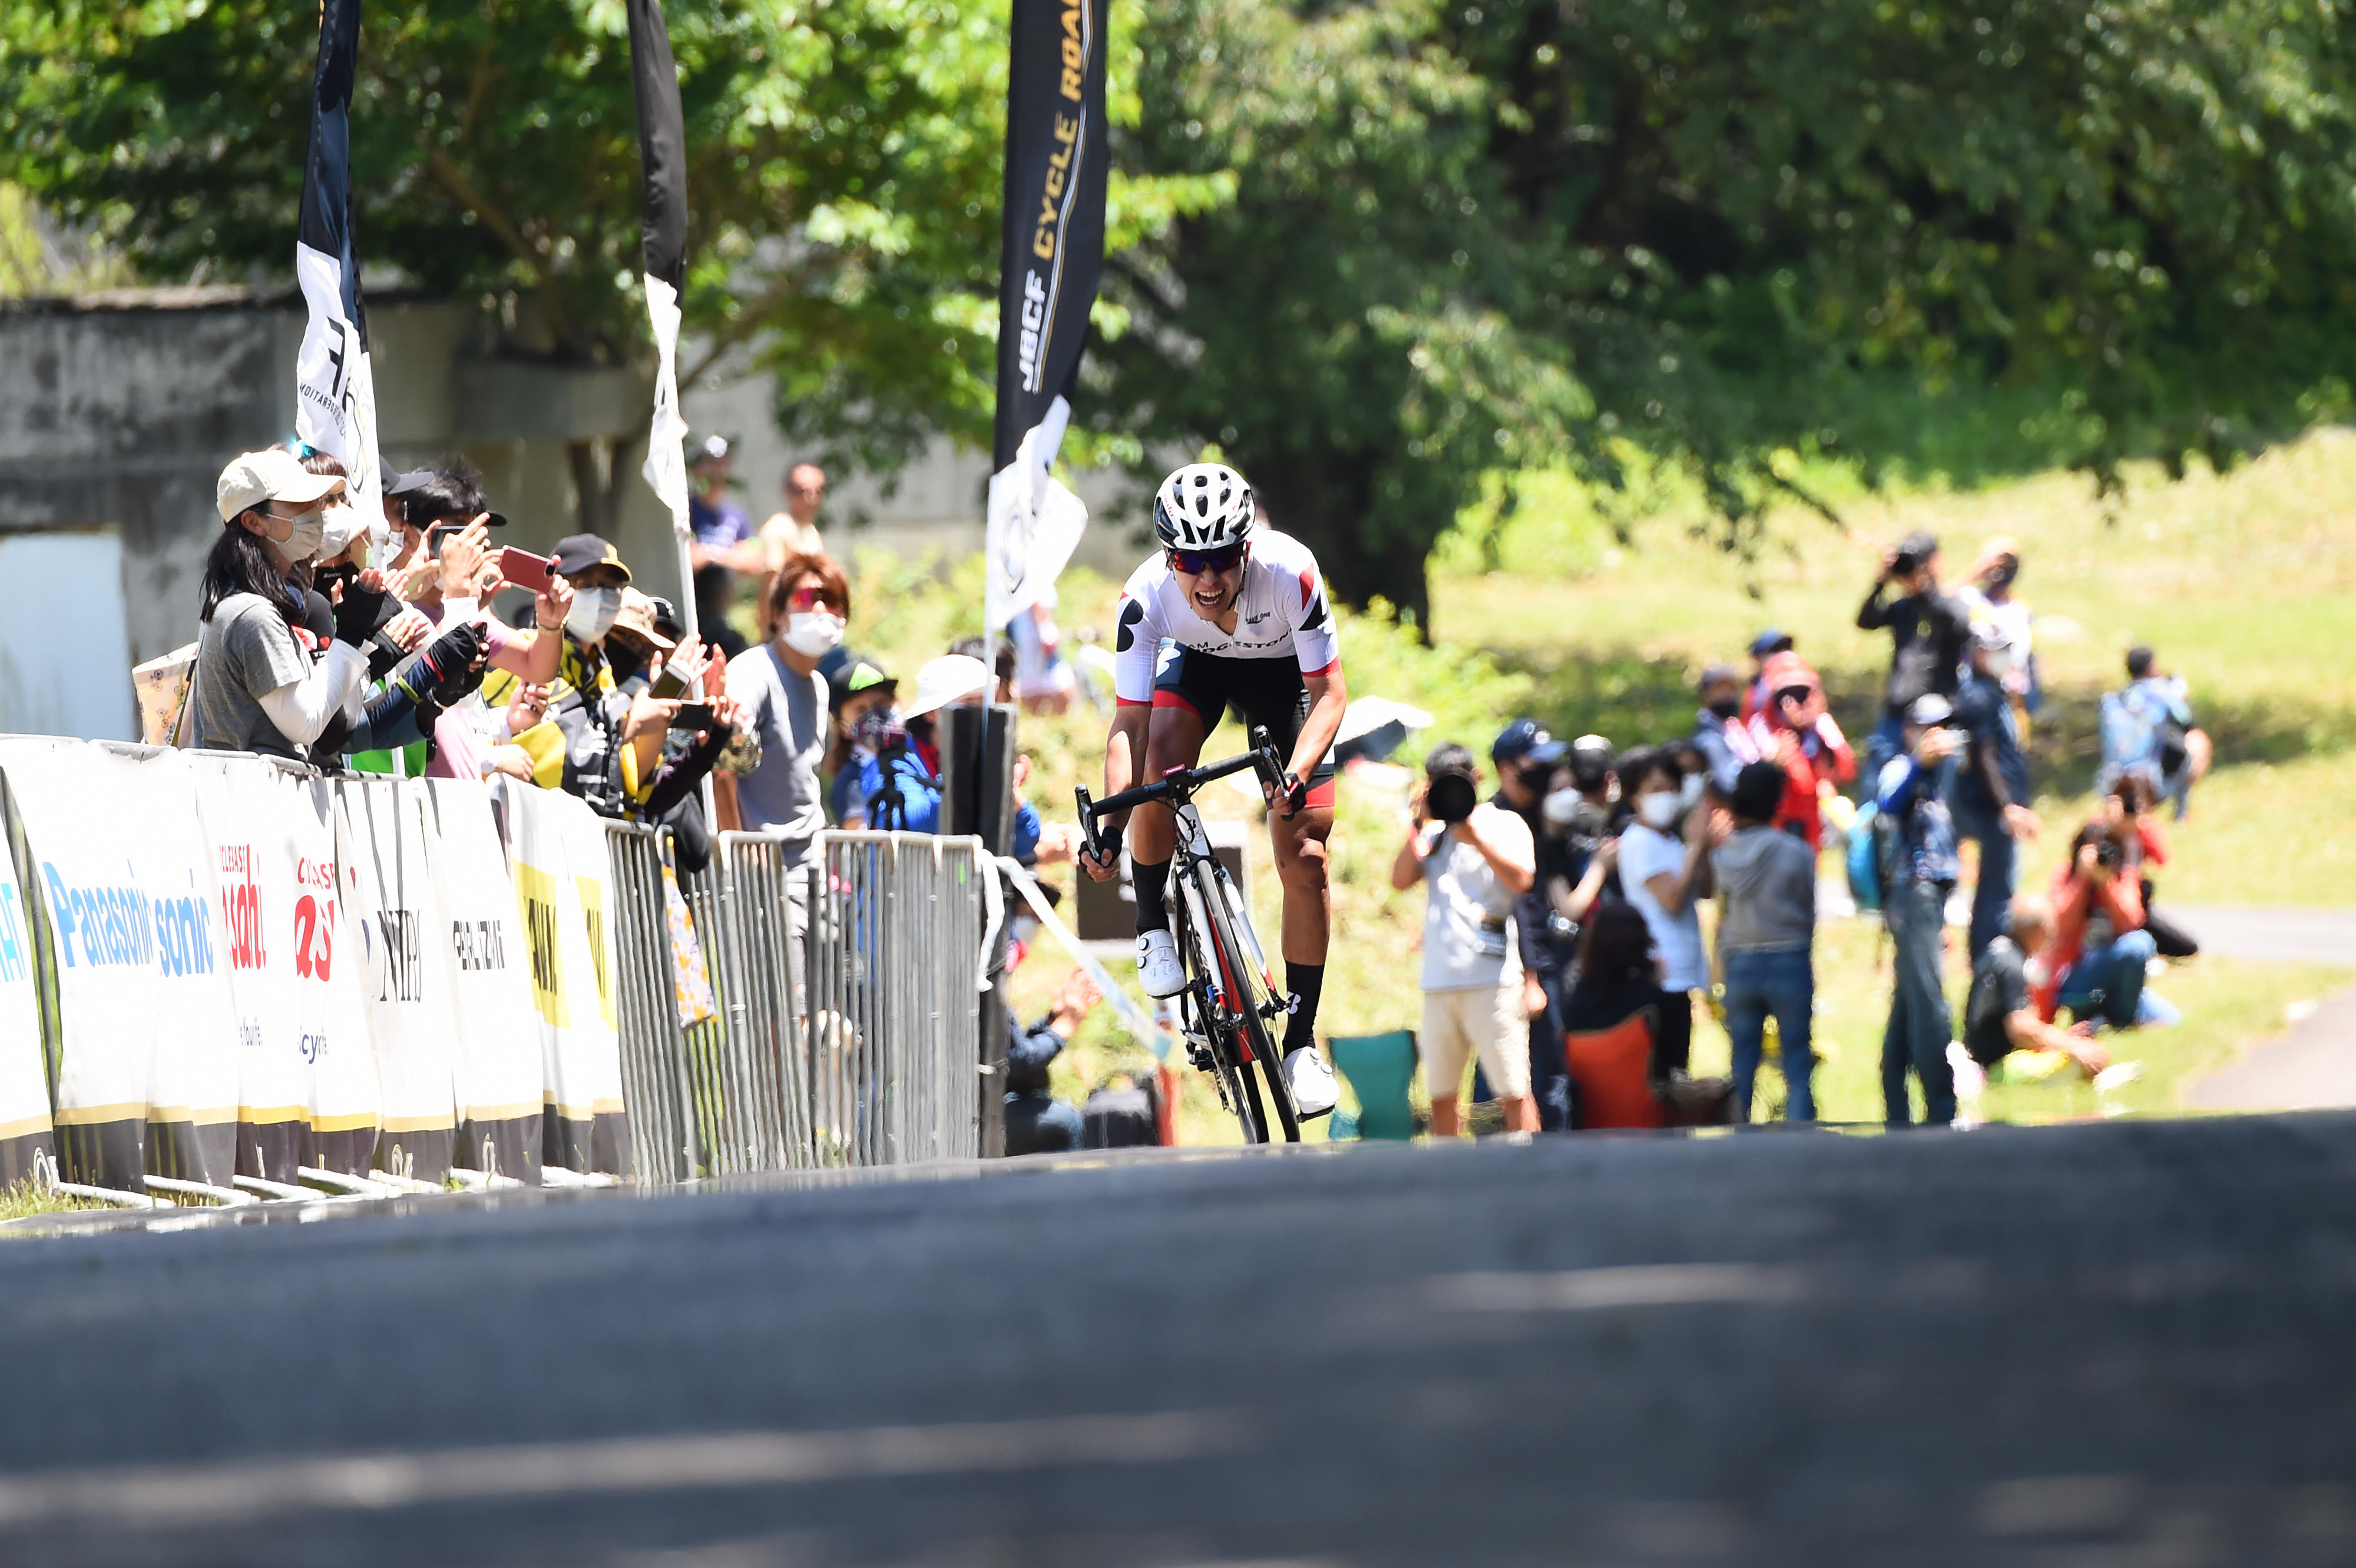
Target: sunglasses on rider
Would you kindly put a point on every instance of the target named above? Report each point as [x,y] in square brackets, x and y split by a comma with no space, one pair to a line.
[1196,562]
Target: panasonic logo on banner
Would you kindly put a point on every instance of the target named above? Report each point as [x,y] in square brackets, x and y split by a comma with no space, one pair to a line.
[121,926]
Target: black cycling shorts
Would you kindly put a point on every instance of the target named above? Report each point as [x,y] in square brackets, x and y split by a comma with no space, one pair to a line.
[1267,692]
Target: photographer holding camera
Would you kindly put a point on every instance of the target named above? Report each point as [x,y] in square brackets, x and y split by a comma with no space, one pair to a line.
[2096,965]
[1928,631]
[1476,858]
[1919,868]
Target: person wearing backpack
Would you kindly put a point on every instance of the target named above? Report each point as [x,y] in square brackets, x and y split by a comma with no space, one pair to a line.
[1920,870]
[2147,727]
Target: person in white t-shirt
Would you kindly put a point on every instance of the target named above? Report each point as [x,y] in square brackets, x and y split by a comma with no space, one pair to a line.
[1666,875]
[1476,857]
[1242,610]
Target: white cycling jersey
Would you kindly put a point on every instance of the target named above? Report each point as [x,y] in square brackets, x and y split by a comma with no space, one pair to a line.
[1280,613]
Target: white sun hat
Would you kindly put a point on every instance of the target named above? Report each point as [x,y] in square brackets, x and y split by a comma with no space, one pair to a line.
[949,678]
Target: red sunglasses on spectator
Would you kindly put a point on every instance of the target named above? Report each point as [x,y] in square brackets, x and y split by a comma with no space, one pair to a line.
[1196,562]
[807,597]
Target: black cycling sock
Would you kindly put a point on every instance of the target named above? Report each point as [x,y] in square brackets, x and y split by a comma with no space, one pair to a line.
[1152,882]
[1306,981]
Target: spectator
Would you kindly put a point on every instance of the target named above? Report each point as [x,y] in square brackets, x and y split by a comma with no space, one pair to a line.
[2144,844]
[1763,647]
[1766,933]
[1665,879]
[724,544]
[2148,727]
[1475,859]
[793,531]
[439,504]
[2101,951]
[902,783]
[1990,600]
[1718,730]
[1921,871]
[2001,1014]
[1044,681]
[1617,1021]
[864,723]
[1991,794]
[597,741]
[1524,755]
[1928,630]
[256,687]
[1036,1122]
[785,702]
[1794,730]
[1003,661]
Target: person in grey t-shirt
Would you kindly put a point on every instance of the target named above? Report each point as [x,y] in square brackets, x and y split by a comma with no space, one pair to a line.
[785,702]
[255,687]
[1766,929]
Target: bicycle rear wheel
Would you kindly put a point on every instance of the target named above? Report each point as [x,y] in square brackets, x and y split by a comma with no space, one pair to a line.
[1254,1043]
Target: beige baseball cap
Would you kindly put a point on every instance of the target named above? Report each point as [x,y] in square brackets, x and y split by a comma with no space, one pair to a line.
[268,475]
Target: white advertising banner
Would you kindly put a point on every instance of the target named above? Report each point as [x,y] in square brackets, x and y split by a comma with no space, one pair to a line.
[306,1071]
[389,884]
[147,1075]
[26,1139]
[498,1064]
[563,883]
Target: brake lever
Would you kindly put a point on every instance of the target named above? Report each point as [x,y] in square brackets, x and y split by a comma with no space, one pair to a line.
[1266,762]
[1088,838]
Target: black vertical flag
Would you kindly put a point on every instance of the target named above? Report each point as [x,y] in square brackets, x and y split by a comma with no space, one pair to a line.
[1051,254]
[335,407]
[662,252]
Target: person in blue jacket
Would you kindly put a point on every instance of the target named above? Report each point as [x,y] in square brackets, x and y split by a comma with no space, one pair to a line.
[901,784]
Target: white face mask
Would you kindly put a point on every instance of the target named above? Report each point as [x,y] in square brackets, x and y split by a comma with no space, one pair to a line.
[304,542]
[812,633]
[2000,662]
[593,612]
[1612,794]
[1659,810]
[1560,806]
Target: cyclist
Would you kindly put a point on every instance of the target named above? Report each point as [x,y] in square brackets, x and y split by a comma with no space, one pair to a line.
[1245,610]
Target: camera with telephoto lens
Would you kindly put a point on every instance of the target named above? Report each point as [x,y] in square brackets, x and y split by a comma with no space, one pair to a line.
[1452,794]
[2108,854]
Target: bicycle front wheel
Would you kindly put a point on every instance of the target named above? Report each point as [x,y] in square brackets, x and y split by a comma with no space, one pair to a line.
[1253,1042]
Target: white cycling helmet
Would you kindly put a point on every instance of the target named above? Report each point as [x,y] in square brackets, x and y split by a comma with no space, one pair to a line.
[1203,506]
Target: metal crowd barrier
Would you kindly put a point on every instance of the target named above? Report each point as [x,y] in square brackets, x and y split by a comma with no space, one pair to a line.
[849,1014]
[893,1008]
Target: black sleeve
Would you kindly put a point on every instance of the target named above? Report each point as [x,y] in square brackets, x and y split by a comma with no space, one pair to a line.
[1874,614]
[674,779]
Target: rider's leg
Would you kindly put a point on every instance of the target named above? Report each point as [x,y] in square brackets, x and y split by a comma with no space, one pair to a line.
[1300,845]
[1175,739]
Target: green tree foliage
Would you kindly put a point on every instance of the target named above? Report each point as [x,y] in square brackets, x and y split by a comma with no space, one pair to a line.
[843,178]
[1614,233]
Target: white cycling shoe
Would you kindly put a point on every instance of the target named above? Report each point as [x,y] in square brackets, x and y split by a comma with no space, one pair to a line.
[1312,1079]
[1158,969]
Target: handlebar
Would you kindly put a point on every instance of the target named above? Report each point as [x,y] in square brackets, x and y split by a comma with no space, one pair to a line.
[1177,787]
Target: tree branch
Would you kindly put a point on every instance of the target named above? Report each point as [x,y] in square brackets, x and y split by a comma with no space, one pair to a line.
[453,179]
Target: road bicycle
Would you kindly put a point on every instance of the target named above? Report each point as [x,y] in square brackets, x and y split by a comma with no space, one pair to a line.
[1231,998]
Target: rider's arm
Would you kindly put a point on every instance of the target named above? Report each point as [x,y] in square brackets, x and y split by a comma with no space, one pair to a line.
[1329,694]
[1124,754]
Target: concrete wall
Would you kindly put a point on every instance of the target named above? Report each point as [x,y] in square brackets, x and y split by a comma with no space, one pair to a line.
[118,411]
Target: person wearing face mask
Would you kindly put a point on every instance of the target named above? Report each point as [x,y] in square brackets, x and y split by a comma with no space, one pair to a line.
[256,686]
[1526,758]
[1665,876]
[1724,740]
[785,700]
[864,723]
[1991,798]
[1794,729]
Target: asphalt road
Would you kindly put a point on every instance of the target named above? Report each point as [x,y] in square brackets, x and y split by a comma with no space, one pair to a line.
[2112,1345]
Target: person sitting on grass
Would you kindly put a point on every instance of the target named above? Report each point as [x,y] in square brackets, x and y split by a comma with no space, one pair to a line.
[2100,948]
[1036,1122]
[2001,1014]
